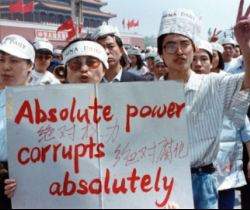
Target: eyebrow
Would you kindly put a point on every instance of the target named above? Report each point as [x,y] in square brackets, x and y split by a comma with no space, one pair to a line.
[173,42]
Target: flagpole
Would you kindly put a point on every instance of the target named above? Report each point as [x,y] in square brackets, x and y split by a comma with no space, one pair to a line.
[22,11]
[34,12]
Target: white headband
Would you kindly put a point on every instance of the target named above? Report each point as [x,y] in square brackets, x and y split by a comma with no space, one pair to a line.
[57,51]
[181,21]
[134,51]
[43,45]
[86,48]
[105,30]
[158,60]
[217,47]
[205,45]
[19,47]
[227,41]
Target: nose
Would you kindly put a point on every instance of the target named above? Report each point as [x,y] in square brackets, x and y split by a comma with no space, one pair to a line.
[6,66]
[198,63]
[84,68]
[179,51]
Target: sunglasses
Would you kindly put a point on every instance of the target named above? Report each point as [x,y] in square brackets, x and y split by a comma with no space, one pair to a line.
[56,56]
[75,64]
[44,58]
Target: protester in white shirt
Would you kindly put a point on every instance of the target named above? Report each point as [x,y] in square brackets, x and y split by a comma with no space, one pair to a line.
[237,51]
[41,76]
[85,66]
[137,65]
[203,58]
[218,62]
[208,97]
[231,63]
[17,57]
[159,69]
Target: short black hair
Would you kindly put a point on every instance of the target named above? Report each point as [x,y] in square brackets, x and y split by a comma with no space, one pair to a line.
[43,52]
[118,40]
[221,62]
[4,53]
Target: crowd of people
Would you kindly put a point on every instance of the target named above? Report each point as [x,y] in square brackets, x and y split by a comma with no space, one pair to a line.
[216,79]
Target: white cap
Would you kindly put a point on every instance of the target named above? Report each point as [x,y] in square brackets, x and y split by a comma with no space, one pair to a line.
[183,22]
[149,48]
[218,47]
[43,45]
[151,54]
[227,41]
[86,48]
[158,60]
[57,51]
[105,30]
[134,51]
[19,47]
[205,45]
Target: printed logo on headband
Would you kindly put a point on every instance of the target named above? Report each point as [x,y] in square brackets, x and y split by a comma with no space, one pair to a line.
[13,40]
[75,50]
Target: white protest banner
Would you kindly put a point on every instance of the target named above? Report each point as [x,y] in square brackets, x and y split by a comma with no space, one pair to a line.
[99,146]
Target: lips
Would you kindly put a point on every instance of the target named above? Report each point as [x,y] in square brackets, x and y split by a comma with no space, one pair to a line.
[180,60]
[6,76]
[84,78]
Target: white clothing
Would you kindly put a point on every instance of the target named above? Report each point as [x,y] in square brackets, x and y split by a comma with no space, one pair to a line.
[139,72]
[234,64]
[44,79]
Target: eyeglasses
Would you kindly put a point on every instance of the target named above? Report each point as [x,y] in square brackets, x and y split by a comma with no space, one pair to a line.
[46,58]
[56,56]
[171,48]
[75,64]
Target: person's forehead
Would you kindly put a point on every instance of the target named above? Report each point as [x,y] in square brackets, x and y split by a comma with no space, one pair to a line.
[175,38]
[159,64]
[228,46]
[201,53]
[107,40]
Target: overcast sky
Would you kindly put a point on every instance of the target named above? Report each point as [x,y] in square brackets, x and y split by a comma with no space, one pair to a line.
[219,14]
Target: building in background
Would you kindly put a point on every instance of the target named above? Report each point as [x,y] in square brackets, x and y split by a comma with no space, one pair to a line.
[48,15]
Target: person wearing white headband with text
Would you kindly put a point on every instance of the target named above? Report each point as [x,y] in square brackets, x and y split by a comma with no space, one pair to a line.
[208,97]
[41,76]
[159,69]
[137,65]
[109,37]
[234,133]
[85,62]
[17,57]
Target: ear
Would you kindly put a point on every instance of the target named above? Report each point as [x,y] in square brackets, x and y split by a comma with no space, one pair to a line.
[122,50]
[30,67]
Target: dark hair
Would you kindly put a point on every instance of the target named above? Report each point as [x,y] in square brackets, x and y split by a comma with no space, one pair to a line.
[44,52]
[239,48]
[4,53]
[139,63]
[118,40]
[221,62]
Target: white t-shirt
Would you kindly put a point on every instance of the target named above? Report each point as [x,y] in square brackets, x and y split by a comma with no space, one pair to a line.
[140,72]
[44,79]
[234,64]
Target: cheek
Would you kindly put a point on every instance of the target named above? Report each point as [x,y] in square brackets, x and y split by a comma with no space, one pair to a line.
[72,76]
[97,75]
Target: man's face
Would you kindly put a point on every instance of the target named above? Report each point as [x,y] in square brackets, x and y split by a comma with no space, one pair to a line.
[58,57]
[113,51]
[201,63]
[237,52]
[182,59]
[228,52]
[13,71]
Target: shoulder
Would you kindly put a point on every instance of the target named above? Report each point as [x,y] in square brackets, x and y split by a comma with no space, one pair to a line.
[130,77]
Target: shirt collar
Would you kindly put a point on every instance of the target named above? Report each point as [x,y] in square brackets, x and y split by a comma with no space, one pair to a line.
[118,78]
[2,98]
[193,83]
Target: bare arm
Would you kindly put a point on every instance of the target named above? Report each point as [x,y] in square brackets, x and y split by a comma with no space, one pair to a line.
[242,34]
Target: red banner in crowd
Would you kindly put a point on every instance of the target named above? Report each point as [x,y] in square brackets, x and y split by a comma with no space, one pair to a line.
[28,7]
[19,7]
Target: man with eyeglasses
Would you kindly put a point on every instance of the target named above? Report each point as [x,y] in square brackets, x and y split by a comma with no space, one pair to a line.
[44,52]
[207,97]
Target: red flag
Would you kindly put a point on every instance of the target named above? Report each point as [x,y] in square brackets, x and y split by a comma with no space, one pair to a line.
[132,24]
[136,24]
[72,33]
[69,25]
[28,7]
[123,23]
[16,7]
[128,25]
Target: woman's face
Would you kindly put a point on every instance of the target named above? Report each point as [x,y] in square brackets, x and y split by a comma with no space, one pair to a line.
[160,70]
[150,62]
[85,69]
[201,63]
[42,62]
[216,59]
[133,60]
[14,71]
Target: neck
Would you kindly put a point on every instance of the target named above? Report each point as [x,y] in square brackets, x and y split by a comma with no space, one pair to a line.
[133,66]
[217,70]
[179,75]
[40,71]
[112,73]
[227,60]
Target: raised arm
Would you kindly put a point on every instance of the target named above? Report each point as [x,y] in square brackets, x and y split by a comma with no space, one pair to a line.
[242,34]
